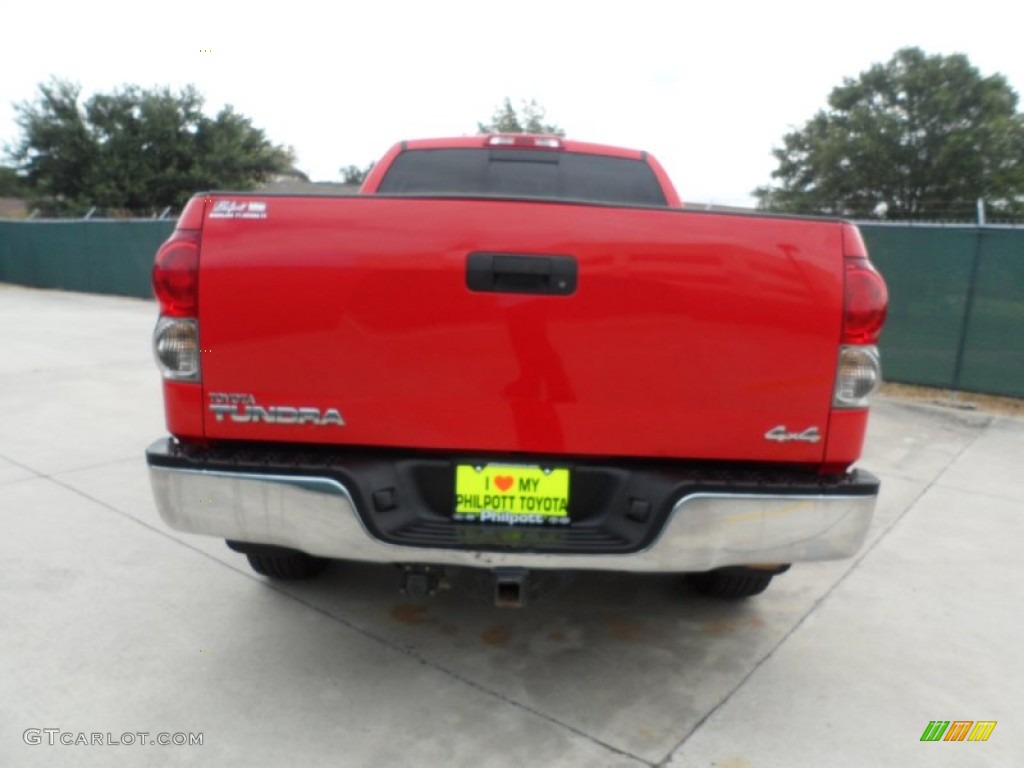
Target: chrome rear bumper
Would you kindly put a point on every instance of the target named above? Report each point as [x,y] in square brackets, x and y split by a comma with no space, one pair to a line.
[317,515]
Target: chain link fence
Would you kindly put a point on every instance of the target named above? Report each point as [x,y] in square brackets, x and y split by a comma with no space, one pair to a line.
[93,256]
[956,309]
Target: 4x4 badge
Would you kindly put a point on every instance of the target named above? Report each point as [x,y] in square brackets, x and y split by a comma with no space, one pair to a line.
[780,435]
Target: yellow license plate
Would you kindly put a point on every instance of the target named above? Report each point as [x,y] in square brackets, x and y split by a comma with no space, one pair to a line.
[511,494]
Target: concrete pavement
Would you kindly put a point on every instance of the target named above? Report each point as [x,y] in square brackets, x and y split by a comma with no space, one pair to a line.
[110,623]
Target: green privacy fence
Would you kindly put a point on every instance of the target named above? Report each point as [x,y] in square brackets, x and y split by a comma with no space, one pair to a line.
[956,317]
[93,256]
[956,305]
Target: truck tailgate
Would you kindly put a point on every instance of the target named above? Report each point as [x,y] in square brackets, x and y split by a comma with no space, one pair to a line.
[688,334]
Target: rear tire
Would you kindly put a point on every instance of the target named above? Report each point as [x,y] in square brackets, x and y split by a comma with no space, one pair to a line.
[287,567]
[732,583]
[276,562]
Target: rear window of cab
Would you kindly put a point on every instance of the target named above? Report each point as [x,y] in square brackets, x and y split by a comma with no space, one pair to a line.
[532,173]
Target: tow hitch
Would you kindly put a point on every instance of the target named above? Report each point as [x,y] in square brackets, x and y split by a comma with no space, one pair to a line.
[510,587]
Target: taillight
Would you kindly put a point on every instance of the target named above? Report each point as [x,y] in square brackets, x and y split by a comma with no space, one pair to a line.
[865,302]
[857,377]
[176,274]
[176,285]
[865,297]
[176,346]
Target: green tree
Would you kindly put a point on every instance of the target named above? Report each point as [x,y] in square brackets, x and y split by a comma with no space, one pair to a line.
[529,118]
[354,175]
[135,150]
[11,183]
[920,137]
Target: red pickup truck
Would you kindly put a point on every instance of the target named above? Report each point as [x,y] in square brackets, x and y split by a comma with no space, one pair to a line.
[515,352]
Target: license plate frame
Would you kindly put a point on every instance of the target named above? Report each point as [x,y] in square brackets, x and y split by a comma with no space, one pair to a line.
[512,494]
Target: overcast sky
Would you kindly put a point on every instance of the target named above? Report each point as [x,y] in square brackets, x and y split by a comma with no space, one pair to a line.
[708,88]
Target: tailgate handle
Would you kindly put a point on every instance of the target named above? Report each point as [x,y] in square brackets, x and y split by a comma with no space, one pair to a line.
[554,275]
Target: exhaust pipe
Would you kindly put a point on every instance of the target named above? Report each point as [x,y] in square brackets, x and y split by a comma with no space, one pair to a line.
[510,587]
